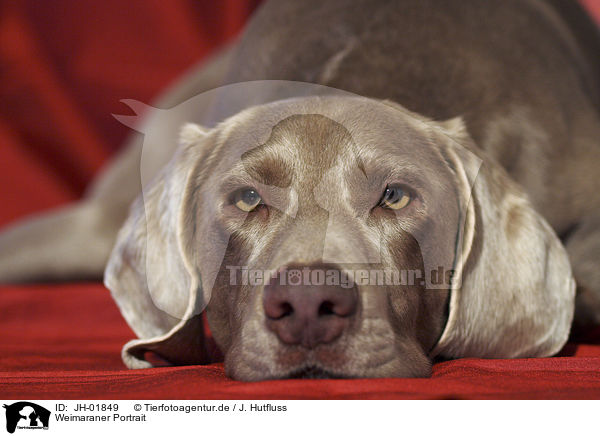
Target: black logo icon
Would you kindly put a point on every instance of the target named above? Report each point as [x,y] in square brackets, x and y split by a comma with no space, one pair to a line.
[26,415]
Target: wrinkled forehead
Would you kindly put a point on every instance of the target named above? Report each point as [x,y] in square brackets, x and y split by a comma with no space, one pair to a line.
[287,141]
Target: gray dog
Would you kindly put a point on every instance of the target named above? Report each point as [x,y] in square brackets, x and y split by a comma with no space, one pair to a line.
[470,149]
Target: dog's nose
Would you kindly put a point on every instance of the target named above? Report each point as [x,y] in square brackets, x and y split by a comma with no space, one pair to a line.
[302,308]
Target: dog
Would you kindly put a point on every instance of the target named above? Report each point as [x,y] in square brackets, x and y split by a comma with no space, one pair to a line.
[464,142]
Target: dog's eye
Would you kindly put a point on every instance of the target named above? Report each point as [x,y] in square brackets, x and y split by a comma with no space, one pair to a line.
[394,197]
[247,199]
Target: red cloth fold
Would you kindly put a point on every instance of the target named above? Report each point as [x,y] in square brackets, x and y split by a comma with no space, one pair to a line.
[64,66]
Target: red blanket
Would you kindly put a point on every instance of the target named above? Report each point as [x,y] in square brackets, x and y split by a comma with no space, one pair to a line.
[64,67]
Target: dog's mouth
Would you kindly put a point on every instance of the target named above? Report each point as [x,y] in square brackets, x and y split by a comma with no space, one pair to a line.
[313,372]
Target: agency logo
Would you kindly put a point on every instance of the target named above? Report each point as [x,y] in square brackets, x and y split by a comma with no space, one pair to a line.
[26,415]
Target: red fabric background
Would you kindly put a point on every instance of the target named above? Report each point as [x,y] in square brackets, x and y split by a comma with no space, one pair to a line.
[64,66]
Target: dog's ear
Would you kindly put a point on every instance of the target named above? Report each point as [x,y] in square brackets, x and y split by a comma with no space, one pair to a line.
[153,280]
[513,289]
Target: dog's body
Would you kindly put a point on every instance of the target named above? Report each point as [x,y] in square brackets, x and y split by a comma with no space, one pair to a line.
[524,80]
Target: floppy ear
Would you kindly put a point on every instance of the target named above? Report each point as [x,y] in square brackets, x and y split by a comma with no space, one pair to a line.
[152,279]
[513,290]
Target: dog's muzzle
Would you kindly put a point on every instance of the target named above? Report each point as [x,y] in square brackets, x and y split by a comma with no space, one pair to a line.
[302,307]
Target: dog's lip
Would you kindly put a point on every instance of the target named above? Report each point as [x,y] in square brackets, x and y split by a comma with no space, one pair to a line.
[325,357]
[312,371]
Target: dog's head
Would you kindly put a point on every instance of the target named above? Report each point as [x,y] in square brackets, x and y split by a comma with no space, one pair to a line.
[337,237]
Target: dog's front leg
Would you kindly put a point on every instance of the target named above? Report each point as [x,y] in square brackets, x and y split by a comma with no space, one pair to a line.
[583,246]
